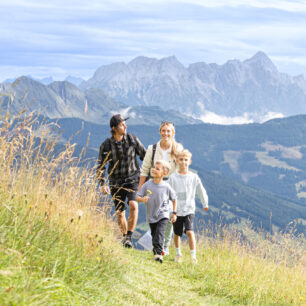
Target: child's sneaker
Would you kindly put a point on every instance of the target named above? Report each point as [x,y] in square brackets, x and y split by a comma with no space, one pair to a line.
[178,258]
[158,258]
[166,251]
[194,260]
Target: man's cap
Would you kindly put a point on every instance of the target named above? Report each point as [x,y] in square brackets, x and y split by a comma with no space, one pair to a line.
[116,119]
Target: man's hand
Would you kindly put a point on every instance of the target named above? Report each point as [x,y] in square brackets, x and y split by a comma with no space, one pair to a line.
[105,189]
[205,208]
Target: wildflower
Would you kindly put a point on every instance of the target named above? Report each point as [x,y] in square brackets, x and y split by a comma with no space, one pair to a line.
[31,206]
[80,213]
[98,258]
[9,289]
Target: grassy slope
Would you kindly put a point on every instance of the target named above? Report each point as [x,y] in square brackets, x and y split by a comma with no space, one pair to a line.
[43,263]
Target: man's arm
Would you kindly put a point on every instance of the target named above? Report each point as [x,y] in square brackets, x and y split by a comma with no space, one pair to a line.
[101,166]
[140,149]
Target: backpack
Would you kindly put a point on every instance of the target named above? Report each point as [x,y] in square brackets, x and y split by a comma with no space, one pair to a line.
[108,147]
[152,161]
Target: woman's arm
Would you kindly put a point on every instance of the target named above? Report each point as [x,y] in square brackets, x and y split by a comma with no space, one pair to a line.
[147,162]
[142,180]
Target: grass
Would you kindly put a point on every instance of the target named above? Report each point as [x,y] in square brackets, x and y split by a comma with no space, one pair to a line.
[57,248]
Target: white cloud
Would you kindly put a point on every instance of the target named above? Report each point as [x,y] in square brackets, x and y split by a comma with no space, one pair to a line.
[210,117]
[270,115]
[291,6]
[123,111]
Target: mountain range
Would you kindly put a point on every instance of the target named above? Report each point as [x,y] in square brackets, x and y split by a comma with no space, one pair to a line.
[253,86]
[252,89]
[62,99]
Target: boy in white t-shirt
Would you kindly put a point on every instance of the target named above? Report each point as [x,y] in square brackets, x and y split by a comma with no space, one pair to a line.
[187,186]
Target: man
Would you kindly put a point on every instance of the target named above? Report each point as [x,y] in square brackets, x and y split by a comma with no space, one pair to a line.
[120,152]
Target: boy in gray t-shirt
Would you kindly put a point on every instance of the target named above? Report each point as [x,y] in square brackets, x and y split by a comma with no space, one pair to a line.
[157,194]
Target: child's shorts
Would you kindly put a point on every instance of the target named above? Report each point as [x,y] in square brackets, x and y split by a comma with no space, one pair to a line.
[183,224]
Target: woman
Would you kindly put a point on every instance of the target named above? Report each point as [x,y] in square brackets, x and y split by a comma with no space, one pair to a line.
[166,149]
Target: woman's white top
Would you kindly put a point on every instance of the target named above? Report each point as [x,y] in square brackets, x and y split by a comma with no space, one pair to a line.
[160,154]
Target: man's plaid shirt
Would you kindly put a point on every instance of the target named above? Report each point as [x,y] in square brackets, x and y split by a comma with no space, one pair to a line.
[121,159]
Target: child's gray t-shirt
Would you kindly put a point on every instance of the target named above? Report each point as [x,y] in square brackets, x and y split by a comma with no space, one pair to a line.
[158,205]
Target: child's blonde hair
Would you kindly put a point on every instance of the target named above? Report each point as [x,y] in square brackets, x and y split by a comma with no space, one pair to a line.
[184,152]
[164,163]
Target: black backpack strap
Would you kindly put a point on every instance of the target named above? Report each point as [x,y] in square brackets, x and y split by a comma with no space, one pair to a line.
[107,145]
[131,139]
[153,153]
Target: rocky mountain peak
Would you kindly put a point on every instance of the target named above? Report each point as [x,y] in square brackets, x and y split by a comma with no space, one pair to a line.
[262,61]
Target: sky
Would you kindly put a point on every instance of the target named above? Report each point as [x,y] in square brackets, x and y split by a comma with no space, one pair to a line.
[59,38]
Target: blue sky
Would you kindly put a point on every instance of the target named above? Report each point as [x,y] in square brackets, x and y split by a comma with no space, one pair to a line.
[60,38]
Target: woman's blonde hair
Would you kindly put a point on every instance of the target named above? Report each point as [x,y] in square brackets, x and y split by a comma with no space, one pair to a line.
[174,149]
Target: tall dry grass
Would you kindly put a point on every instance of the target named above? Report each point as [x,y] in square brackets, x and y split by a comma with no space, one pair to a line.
[52,212]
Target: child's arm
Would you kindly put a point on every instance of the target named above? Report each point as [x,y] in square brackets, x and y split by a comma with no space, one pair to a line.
[202,194]
[141,194]
[173,217]
[142,199]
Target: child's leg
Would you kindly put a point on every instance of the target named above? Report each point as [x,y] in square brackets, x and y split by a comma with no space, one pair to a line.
[191,236]
[192,245]
[178,231]
[159,235]
[191,240]
[168,235]
[177,241]
[153,231]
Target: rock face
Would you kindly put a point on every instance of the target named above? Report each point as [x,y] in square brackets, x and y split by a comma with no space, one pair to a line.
[252,86]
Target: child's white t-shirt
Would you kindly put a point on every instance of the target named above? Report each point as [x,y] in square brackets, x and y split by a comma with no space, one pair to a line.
[187,187]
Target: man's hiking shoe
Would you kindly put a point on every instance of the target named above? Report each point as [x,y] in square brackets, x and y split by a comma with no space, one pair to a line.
[178,258]
[158,258]
[127,242]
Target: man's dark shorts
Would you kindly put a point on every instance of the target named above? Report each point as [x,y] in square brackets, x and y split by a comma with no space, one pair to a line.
[183,224]
[119,195]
